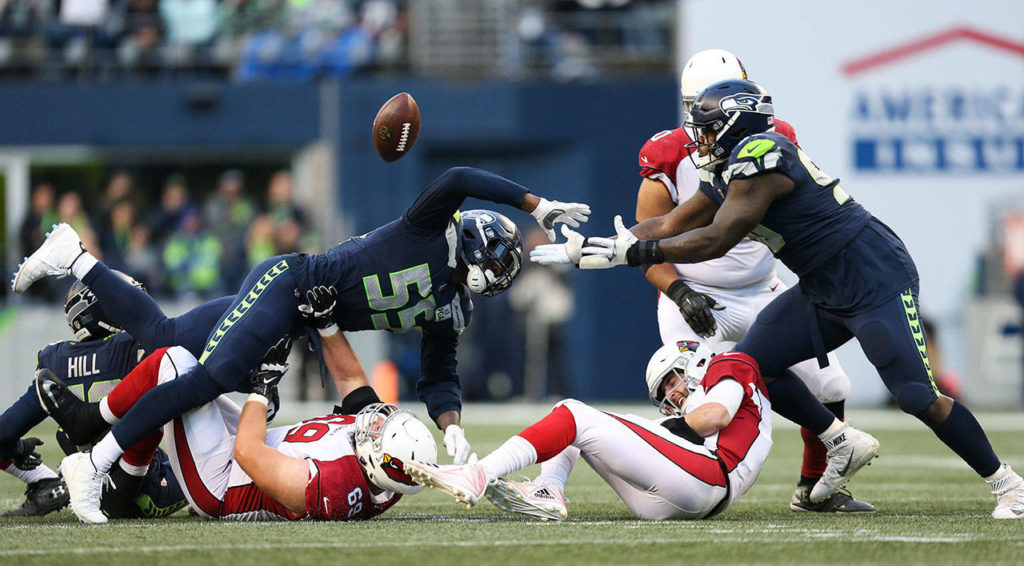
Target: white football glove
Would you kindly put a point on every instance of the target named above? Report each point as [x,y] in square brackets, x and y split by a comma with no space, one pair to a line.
[569,252]
[602,253]
[456,444]
[550,211]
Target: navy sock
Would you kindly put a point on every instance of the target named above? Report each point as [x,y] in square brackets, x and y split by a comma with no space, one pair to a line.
[130,308]
[962,433]
[791,399]
[161,404]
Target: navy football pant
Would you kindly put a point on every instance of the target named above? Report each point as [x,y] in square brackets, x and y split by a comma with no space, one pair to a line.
[265,310]
[890,334]
[134,311]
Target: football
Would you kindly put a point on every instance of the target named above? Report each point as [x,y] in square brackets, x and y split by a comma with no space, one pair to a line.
[396,127]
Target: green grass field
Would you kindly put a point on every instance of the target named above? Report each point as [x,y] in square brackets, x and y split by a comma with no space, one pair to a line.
[932,510]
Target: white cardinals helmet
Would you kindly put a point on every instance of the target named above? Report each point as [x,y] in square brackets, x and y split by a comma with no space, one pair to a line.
[387,437]
[707,67]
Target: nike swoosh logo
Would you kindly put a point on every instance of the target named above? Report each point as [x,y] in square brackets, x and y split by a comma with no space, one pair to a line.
[774,286]
[644,159]
[849,458]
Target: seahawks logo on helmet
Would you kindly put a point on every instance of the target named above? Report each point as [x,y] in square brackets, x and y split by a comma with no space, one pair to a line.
[740,101]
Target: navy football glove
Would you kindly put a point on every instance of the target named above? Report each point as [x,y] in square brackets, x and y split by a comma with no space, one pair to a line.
[26,458]
[695,307]
[318,310]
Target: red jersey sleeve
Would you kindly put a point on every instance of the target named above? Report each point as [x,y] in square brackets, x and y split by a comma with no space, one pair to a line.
[338,491]
[737,366]
[662,153]
[786,129]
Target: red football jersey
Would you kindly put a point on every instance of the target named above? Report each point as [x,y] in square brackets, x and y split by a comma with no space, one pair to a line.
[735,440]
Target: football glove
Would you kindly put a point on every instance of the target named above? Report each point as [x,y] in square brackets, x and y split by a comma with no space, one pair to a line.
[602,253]
[695,307]
[26,457]
[550,211]
[318,310]
[456,444]
[266,377]
[569,252]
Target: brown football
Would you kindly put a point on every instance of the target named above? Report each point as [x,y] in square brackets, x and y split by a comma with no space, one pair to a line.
[396,127]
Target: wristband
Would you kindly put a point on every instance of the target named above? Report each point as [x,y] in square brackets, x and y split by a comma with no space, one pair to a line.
[644,252]
[329,331]
[257,398]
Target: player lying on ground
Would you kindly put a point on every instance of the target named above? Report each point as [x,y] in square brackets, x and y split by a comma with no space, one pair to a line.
[429,248]
[683,467]
[857,280]
[345,466]
[717,300]
[91,366]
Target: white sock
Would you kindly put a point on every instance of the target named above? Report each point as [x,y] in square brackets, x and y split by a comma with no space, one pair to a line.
[108,415]
[105,453]
[557,469]
[833,429]
[42,472]
[137,471]
[516,454]
[83,264]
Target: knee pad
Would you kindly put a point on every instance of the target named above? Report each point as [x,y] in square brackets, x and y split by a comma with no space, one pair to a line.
[914,398]
[177,361]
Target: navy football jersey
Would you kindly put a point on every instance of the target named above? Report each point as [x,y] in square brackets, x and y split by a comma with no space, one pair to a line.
[807,226]
[396,277]
[91,369]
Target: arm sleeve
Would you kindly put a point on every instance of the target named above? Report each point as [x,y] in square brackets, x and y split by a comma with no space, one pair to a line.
[728,393]
[17,420]
[442,197]
[438,386]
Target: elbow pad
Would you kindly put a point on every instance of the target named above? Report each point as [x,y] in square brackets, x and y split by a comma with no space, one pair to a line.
[678,427]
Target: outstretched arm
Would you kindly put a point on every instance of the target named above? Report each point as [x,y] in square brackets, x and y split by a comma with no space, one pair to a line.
[698,211]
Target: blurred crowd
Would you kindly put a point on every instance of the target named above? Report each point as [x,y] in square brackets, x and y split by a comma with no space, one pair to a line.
[254,39]
[177,245]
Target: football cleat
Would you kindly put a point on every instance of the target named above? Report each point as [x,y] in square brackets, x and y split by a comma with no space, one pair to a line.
[82,422]
[1009,492]
[54,257]
[465,483]
[543,501]
[41,497]
[85,485]
[849,450]
[839,502]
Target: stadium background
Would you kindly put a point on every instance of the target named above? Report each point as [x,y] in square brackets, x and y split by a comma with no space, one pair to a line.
[557,95]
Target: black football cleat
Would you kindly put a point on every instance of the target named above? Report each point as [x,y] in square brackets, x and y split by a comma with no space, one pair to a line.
[839,502]
[41,498]
[82,422]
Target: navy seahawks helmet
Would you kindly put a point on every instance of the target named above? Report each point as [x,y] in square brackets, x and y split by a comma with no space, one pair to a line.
[732,110]
[492,251]
[84,314]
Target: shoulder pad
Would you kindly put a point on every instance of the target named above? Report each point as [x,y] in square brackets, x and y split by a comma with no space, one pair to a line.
[663,152]
[755,154]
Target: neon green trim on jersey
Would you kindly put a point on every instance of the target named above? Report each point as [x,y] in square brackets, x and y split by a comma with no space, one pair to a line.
[243,307]
[755,149]
[914,321]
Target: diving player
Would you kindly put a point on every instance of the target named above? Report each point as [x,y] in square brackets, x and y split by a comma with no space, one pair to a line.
[431,249]
[857,280]
[717,300]
[92,366]
[692,465]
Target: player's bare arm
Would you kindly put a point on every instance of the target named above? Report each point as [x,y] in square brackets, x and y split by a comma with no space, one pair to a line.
[343,363]
[696,212]
[653,200]
[708,419]
[281,477]
[743,209]
[449,418]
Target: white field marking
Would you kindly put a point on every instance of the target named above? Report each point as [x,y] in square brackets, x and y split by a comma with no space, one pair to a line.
[743,537]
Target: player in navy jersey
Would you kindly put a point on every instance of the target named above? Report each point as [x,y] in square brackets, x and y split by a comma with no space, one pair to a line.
[416,271]
[91,367]
[857,280]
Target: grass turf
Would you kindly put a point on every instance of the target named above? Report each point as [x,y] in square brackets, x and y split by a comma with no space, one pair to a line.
[932,510]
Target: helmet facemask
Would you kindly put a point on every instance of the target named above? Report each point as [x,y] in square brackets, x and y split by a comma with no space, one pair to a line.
[386,437]
[723,115]
[492,251]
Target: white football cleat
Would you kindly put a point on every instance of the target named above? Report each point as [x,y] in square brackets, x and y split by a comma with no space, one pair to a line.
[85,484]
[544,501]
[465,483]
[54,257]
[849,450]
[1009,492]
